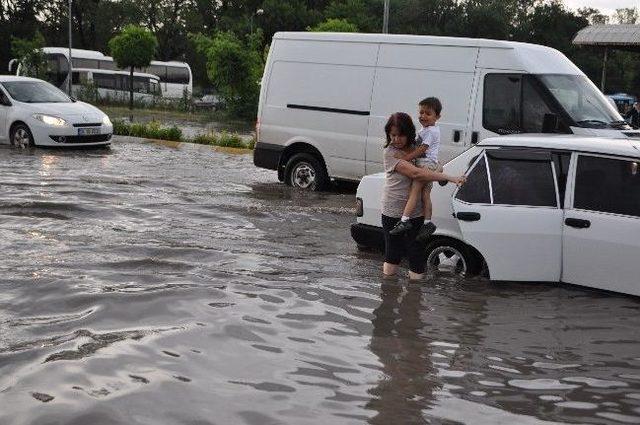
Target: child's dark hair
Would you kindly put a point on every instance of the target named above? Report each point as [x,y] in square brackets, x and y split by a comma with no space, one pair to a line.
[403,123]
[432,103]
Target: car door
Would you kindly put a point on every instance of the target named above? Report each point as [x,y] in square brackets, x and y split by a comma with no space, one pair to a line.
[5,105]
[509,210]
[601,241]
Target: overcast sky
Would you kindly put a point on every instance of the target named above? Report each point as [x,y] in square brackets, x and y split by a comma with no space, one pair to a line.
[606,6]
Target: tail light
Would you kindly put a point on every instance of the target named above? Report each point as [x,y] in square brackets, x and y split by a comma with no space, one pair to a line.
[359,207]
[257,130]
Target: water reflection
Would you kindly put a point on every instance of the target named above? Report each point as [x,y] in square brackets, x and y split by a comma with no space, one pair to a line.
[407,383]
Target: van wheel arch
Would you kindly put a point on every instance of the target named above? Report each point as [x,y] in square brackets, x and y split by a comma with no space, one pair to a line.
[476,264]
[302,148]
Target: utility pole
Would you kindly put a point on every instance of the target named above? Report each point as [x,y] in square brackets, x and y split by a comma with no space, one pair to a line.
[70,61]
[385,17]
[604,70]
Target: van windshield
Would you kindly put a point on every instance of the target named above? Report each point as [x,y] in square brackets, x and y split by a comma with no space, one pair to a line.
[584,103]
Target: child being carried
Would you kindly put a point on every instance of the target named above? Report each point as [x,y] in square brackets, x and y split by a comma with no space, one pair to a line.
[425,156]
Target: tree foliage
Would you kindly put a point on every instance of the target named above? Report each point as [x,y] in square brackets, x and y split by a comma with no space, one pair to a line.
[135,47]
[95,22]
[334,25]
[234,68]
[33,61]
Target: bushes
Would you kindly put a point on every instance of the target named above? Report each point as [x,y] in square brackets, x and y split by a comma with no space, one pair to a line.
[153,130]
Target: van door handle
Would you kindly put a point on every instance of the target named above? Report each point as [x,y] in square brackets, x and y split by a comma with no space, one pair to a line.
[577,223]
[474,138]
[468,216]
[456,136]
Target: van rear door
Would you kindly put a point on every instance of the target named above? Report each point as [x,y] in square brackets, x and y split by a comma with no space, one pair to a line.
[408,73]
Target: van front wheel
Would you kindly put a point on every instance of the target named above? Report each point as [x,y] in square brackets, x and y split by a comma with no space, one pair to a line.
[304,171]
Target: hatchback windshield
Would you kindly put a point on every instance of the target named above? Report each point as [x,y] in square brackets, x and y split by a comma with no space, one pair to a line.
[35,92]
[584,103]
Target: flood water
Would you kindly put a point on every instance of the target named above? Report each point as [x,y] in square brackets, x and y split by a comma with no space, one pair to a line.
[152,285]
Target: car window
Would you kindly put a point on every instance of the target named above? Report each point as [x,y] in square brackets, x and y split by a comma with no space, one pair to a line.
[522,182]
[607,185]
[476,188]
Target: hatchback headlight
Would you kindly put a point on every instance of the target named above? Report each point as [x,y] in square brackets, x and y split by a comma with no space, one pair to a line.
[51,120]
[106,120]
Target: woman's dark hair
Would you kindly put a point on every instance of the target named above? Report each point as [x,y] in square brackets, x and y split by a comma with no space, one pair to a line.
[404,124]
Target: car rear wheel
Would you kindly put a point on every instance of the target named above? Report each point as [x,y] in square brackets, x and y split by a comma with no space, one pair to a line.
[21,136]
[304,171]
[453,257]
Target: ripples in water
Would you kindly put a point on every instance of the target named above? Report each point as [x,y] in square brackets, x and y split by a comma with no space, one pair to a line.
[151,285]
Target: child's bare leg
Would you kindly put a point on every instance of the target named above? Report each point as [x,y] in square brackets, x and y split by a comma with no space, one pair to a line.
[427,207]
[415,193]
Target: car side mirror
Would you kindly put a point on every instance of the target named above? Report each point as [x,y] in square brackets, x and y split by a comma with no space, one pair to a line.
[73,99]
[549,123]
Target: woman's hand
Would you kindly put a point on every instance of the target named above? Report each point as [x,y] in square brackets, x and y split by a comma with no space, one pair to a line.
[458,181]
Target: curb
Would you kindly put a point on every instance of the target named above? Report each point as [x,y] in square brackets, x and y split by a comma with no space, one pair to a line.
[183,145]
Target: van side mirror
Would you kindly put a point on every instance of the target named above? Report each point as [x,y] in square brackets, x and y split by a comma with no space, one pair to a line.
[549,123]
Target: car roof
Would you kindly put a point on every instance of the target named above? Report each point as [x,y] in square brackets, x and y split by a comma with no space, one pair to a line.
[7,78]
[603,145]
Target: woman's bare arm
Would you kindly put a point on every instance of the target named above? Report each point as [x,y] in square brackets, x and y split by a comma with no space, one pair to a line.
[415,153]
[425,175]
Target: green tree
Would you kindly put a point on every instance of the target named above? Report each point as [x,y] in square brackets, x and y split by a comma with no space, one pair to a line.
[133,48]
[234,68]
[29,52]
[334,25]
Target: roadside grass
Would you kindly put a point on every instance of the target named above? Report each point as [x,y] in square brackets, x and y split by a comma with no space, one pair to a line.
[154,130]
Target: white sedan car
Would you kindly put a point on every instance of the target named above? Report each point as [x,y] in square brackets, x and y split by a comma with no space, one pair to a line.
[534,208]
[35,113]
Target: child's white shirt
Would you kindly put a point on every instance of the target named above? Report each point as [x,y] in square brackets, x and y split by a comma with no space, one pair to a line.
[430,136]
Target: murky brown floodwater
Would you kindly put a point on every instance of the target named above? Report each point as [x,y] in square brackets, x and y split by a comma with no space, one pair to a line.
[150,285]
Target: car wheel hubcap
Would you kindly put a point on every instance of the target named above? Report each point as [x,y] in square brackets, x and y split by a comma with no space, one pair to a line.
[21,138]
[303,176]
[448,260]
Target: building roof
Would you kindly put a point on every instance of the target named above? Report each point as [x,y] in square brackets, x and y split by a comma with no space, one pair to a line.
[629,147]
[622,36]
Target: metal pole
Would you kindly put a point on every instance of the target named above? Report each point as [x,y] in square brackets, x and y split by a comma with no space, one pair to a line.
[70,61]
[385,18]
[604,70]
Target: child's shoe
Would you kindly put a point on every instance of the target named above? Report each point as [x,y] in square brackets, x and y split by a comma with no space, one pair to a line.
[426,231]
[400,228]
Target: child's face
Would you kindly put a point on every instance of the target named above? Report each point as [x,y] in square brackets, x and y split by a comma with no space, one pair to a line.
[398,141]
[427,116]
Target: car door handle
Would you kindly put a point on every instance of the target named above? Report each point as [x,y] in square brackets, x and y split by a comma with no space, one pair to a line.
[468,216]
[577,223]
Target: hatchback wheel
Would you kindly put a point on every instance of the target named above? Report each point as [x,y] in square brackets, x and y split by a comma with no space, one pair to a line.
[21,136]
[451,256]
[306,172]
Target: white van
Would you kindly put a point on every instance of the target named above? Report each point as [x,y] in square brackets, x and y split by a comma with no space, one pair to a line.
[325,98]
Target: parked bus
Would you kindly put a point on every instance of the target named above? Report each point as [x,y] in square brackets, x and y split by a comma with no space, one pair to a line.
[114,85]
[175,77]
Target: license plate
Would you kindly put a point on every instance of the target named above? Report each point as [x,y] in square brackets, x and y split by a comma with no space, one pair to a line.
[88,131]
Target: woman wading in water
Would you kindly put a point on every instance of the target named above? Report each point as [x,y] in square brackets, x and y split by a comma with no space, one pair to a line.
[401,134]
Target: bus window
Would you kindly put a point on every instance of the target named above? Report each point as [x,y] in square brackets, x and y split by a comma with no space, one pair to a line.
[105,64]
[58,69]
[159,70]
[85,63]
[104,81]
[177,75]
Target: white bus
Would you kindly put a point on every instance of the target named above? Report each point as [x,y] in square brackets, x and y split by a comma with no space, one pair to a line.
[175,77]
[114,85]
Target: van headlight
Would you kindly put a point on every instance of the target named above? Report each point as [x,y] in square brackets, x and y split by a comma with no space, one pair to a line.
[51,120]
[106,120]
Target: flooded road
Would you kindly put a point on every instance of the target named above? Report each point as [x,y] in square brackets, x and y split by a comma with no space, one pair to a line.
[152,285]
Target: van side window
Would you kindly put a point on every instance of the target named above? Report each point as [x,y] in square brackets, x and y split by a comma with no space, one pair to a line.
[608,185]
[501,111]
[522,182]
[513,103]
[476,189]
